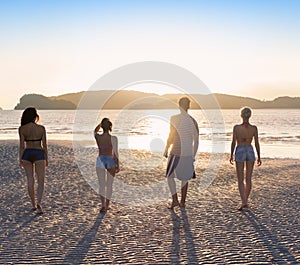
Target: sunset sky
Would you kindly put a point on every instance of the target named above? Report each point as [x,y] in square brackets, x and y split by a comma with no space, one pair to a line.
[246,48]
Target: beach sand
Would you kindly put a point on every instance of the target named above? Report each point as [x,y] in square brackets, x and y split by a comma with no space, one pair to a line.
[209,230]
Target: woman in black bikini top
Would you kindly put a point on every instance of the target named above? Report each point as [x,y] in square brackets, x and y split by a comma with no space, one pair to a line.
[33,154]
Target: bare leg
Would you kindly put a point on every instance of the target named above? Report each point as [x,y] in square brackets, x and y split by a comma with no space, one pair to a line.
[109,182]
[28,166]
[101,177]
[172,187]
[248,186]
[40,169]
[241,185]
[184,188]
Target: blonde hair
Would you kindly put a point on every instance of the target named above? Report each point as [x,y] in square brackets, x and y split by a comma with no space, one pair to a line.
[246,112]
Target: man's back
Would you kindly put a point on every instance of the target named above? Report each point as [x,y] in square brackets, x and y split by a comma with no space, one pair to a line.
[184,134]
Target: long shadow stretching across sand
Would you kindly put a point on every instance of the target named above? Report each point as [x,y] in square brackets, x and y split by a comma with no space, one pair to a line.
[26,222]
[188,237]
[271,242]
[77,254]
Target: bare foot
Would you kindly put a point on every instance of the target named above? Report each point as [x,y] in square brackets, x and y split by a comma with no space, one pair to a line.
[173,204]
[39,209]
[34,206]
[243,207]
[182,205]
[103,210]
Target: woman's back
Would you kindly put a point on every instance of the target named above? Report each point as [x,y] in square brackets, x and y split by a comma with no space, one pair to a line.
[33,134]
[105,144]
[245,133]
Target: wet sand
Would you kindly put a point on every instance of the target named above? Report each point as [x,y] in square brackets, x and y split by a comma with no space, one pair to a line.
[208,231]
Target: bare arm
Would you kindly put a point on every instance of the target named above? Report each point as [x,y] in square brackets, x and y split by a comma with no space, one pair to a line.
[21,147]
[114,142]
[257,146]
[170,139]
[196,138]
[233,143]
[45,146]
[97,129]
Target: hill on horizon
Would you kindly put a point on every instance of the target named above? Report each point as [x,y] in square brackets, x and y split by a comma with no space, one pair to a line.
[140,100]
[128,99]
[42,102]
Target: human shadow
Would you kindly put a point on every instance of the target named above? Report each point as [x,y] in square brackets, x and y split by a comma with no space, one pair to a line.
[278,251]
[188,238]
[175,247]
[26,220]
[78,253]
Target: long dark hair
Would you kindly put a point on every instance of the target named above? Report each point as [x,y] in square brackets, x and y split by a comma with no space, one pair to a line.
[106,125]
[29,115]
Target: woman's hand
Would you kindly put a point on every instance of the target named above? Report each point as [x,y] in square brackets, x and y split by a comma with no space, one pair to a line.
[21,164]
[231,160]
[97,128]
[258,161]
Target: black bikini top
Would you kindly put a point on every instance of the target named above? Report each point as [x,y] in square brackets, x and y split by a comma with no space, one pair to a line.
[33,140]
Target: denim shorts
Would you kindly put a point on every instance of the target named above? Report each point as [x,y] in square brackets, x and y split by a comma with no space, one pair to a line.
[244,153]
[105,162]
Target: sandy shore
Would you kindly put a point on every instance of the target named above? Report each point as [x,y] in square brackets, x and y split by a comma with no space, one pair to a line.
[208,231]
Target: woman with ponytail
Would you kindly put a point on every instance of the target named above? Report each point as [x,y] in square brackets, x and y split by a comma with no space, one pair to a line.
[107,164]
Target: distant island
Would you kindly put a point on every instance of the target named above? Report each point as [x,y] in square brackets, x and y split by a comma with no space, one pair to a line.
[42,102]
[128,99]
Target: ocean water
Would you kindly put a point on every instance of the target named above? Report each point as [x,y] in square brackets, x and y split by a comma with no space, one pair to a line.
[279,130]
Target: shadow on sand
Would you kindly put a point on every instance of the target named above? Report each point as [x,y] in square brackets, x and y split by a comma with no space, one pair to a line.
[187,237]
[27,220]
[279,252]
[78,253]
